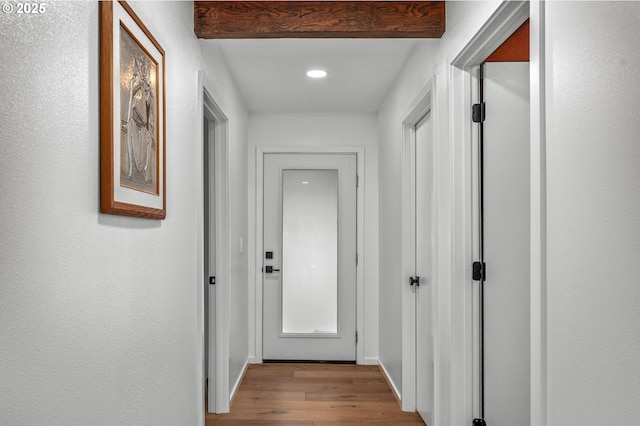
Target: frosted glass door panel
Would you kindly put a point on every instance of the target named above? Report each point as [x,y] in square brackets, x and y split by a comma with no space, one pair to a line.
[310,251]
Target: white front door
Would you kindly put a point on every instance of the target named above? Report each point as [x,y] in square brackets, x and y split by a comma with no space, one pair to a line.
[309,257]
[424,266]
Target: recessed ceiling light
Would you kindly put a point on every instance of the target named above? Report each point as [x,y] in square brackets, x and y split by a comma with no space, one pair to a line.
[316,73]
[304,182]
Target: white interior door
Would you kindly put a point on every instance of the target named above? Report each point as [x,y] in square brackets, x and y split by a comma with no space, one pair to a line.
[209,260]
[309,257]
[506,243]
[424,267]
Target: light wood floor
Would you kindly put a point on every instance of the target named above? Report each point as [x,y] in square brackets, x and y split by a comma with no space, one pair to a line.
[313,394]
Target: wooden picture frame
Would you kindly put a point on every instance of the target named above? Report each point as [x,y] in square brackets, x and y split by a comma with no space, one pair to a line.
[132,115]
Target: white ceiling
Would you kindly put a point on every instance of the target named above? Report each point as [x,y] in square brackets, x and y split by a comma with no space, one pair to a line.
[271,74]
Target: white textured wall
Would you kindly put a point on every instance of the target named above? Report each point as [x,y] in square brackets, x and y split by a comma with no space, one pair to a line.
[593,159]
[99,314]
[330,130]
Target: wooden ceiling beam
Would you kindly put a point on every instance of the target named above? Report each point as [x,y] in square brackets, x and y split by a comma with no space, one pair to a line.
[319,19]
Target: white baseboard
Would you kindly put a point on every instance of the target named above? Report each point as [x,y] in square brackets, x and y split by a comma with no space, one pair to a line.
[236,385]
[254,360]
[392,385]
[370,361]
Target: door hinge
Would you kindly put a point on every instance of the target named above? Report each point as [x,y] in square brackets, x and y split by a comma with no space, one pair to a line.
[479,271]
[356,336]
[478,113]
[356,258]
[479,422]
[357,181]
[212,280]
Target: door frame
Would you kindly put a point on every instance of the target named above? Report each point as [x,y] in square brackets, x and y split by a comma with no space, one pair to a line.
[421,105]
[358,151]
[463,93]
[206,102]
[465,298]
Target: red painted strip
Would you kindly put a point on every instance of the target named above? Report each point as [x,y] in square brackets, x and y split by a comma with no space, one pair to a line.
[515,48]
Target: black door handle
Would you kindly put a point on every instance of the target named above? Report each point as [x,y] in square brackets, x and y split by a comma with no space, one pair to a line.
[270,269]
[414,280]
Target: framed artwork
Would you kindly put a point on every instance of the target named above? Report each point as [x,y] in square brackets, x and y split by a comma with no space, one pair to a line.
[132,115]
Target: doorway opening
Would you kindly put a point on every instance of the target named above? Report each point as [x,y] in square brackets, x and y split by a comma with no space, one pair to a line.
[470,299]
[503,234]
[419,235]
[346,322]
[214,263]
